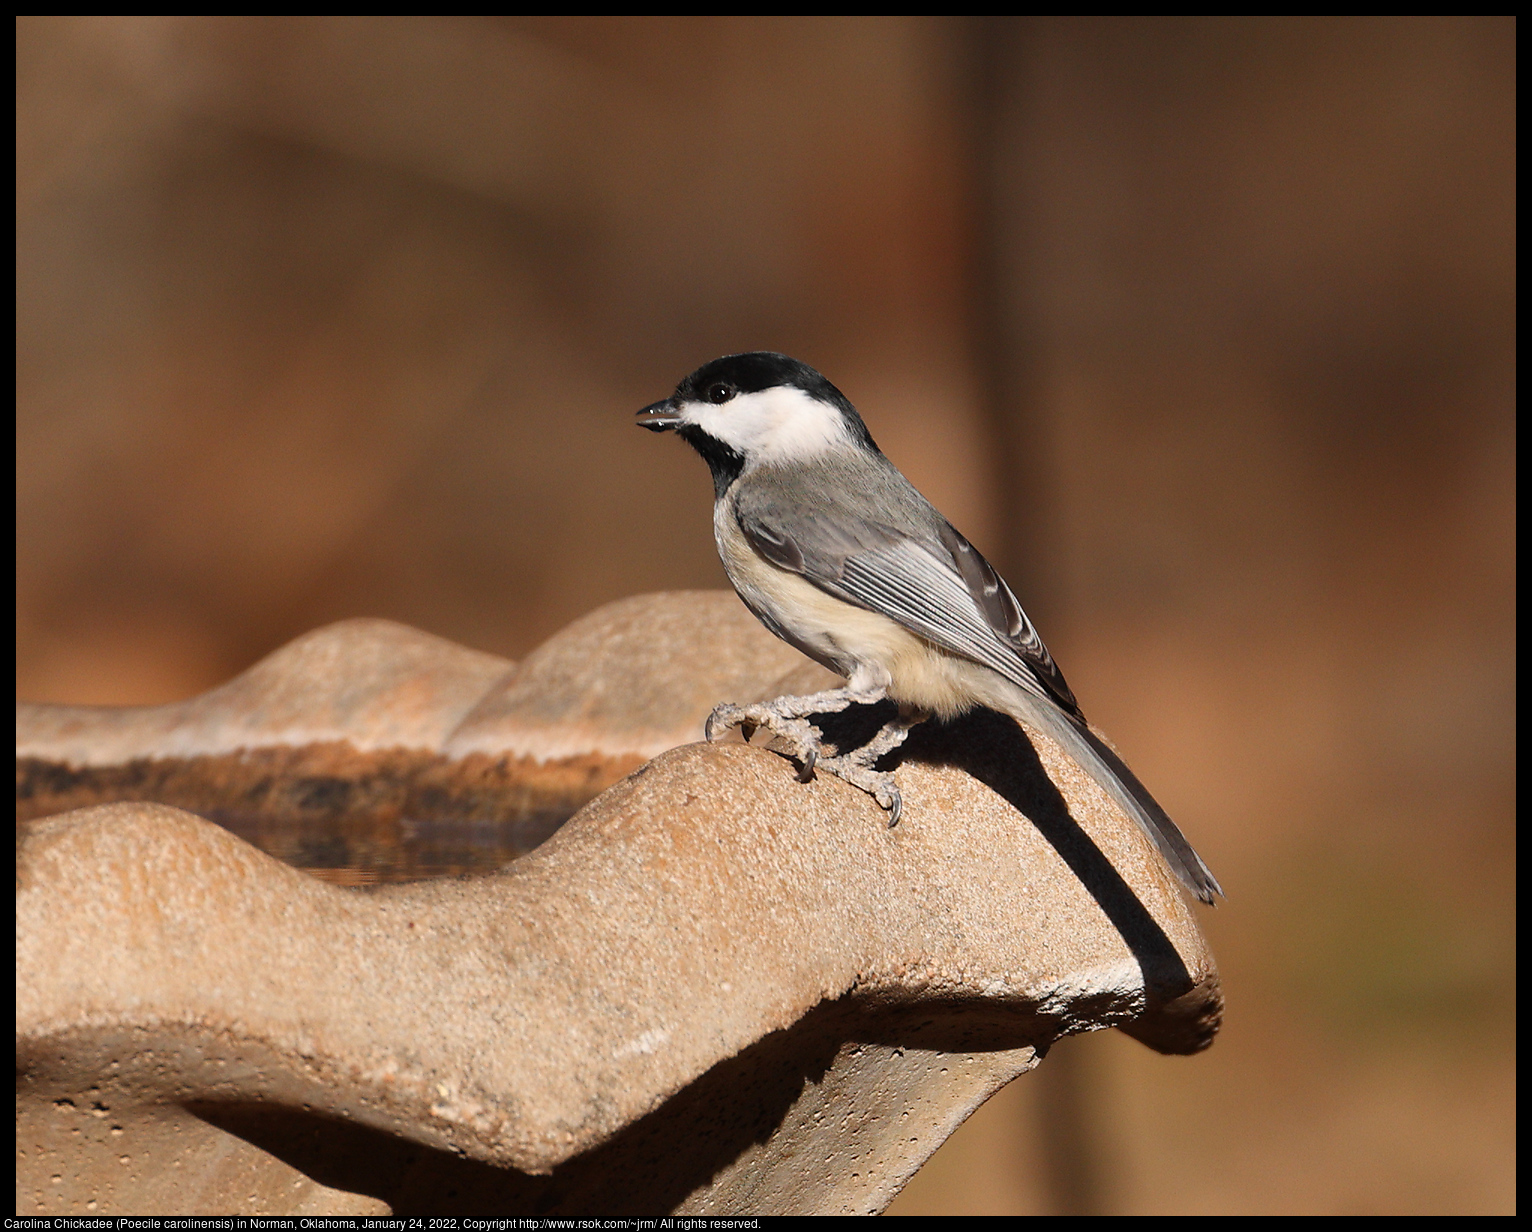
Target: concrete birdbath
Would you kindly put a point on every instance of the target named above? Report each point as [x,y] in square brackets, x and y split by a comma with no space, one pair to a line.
[712,990]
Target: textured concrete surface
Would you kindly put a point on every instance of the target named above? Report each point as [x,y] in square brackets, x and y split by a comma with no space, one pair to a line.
[713,990]
[636,676]
[367,719]
[373,683]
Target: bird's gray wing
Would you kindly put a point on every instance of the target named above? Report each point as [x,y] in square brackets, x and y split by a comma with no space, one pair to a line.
[933,582]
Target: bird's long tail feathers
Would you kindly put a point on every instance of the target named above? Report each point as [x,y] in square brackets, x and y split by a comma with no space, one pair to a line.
[1097,758]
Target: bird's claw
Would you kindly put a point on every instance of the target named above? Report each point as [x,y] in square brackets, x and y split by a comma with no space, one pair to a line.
[722,718]
[853,768]
[810,758]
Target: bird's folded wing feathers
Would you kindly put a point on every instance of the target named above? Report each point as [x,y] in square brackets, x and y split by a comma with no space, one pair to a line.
[937,586]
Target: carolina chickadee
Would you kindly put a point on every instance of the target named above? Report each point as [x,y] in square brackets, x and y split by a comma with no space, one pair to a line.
[837,554]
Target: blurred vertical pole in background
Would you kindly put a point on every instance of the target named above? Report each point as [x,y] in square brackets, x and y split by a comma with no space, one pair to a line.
[1006,340]
[1008,343]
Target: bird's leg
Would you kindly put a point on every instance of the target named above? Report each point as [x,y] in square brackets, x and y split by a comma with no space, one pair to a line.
[856,767]
[891,736]
[784,717]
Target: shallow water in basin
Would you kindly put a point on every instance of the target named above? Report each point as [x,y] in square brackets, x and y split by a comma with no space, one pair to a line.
[343,852]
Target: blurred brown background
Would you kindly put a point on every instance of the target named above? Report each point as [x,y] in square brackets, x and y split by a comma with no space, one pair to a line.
[1201,328]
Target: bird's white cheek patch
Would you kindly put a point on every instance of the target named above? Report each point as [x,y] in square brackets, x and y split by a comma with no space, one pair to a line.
[774,425]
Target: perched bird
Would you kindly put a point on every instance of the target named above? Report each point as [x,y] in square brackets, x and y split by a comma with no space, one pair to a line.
[837,554]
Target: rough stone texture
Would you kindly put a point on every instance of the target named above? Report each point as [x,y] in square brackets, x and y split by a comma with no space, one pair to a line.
[368,720]
[373,683]
[638,676]
[714,990]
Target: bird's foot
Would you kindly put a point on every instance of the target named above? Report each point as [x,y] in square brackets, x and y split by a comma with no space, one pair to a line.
[802,737]
[854,769]
[783,718]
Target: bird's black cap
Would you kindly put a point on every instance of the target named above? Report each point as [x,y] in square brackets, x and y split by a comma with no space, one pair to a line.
[752,371]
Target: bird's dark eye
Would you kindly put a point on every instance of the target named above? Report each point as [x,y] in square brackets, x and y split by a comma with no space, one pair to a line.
[721,392]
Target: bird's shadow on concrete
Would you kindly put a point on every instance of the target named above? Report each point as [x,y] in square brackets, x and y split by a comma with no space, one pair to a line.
[995,750]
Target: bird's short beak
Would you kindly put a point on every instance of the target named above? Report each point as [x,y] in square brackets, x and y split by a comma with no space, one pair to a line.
[658,417]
